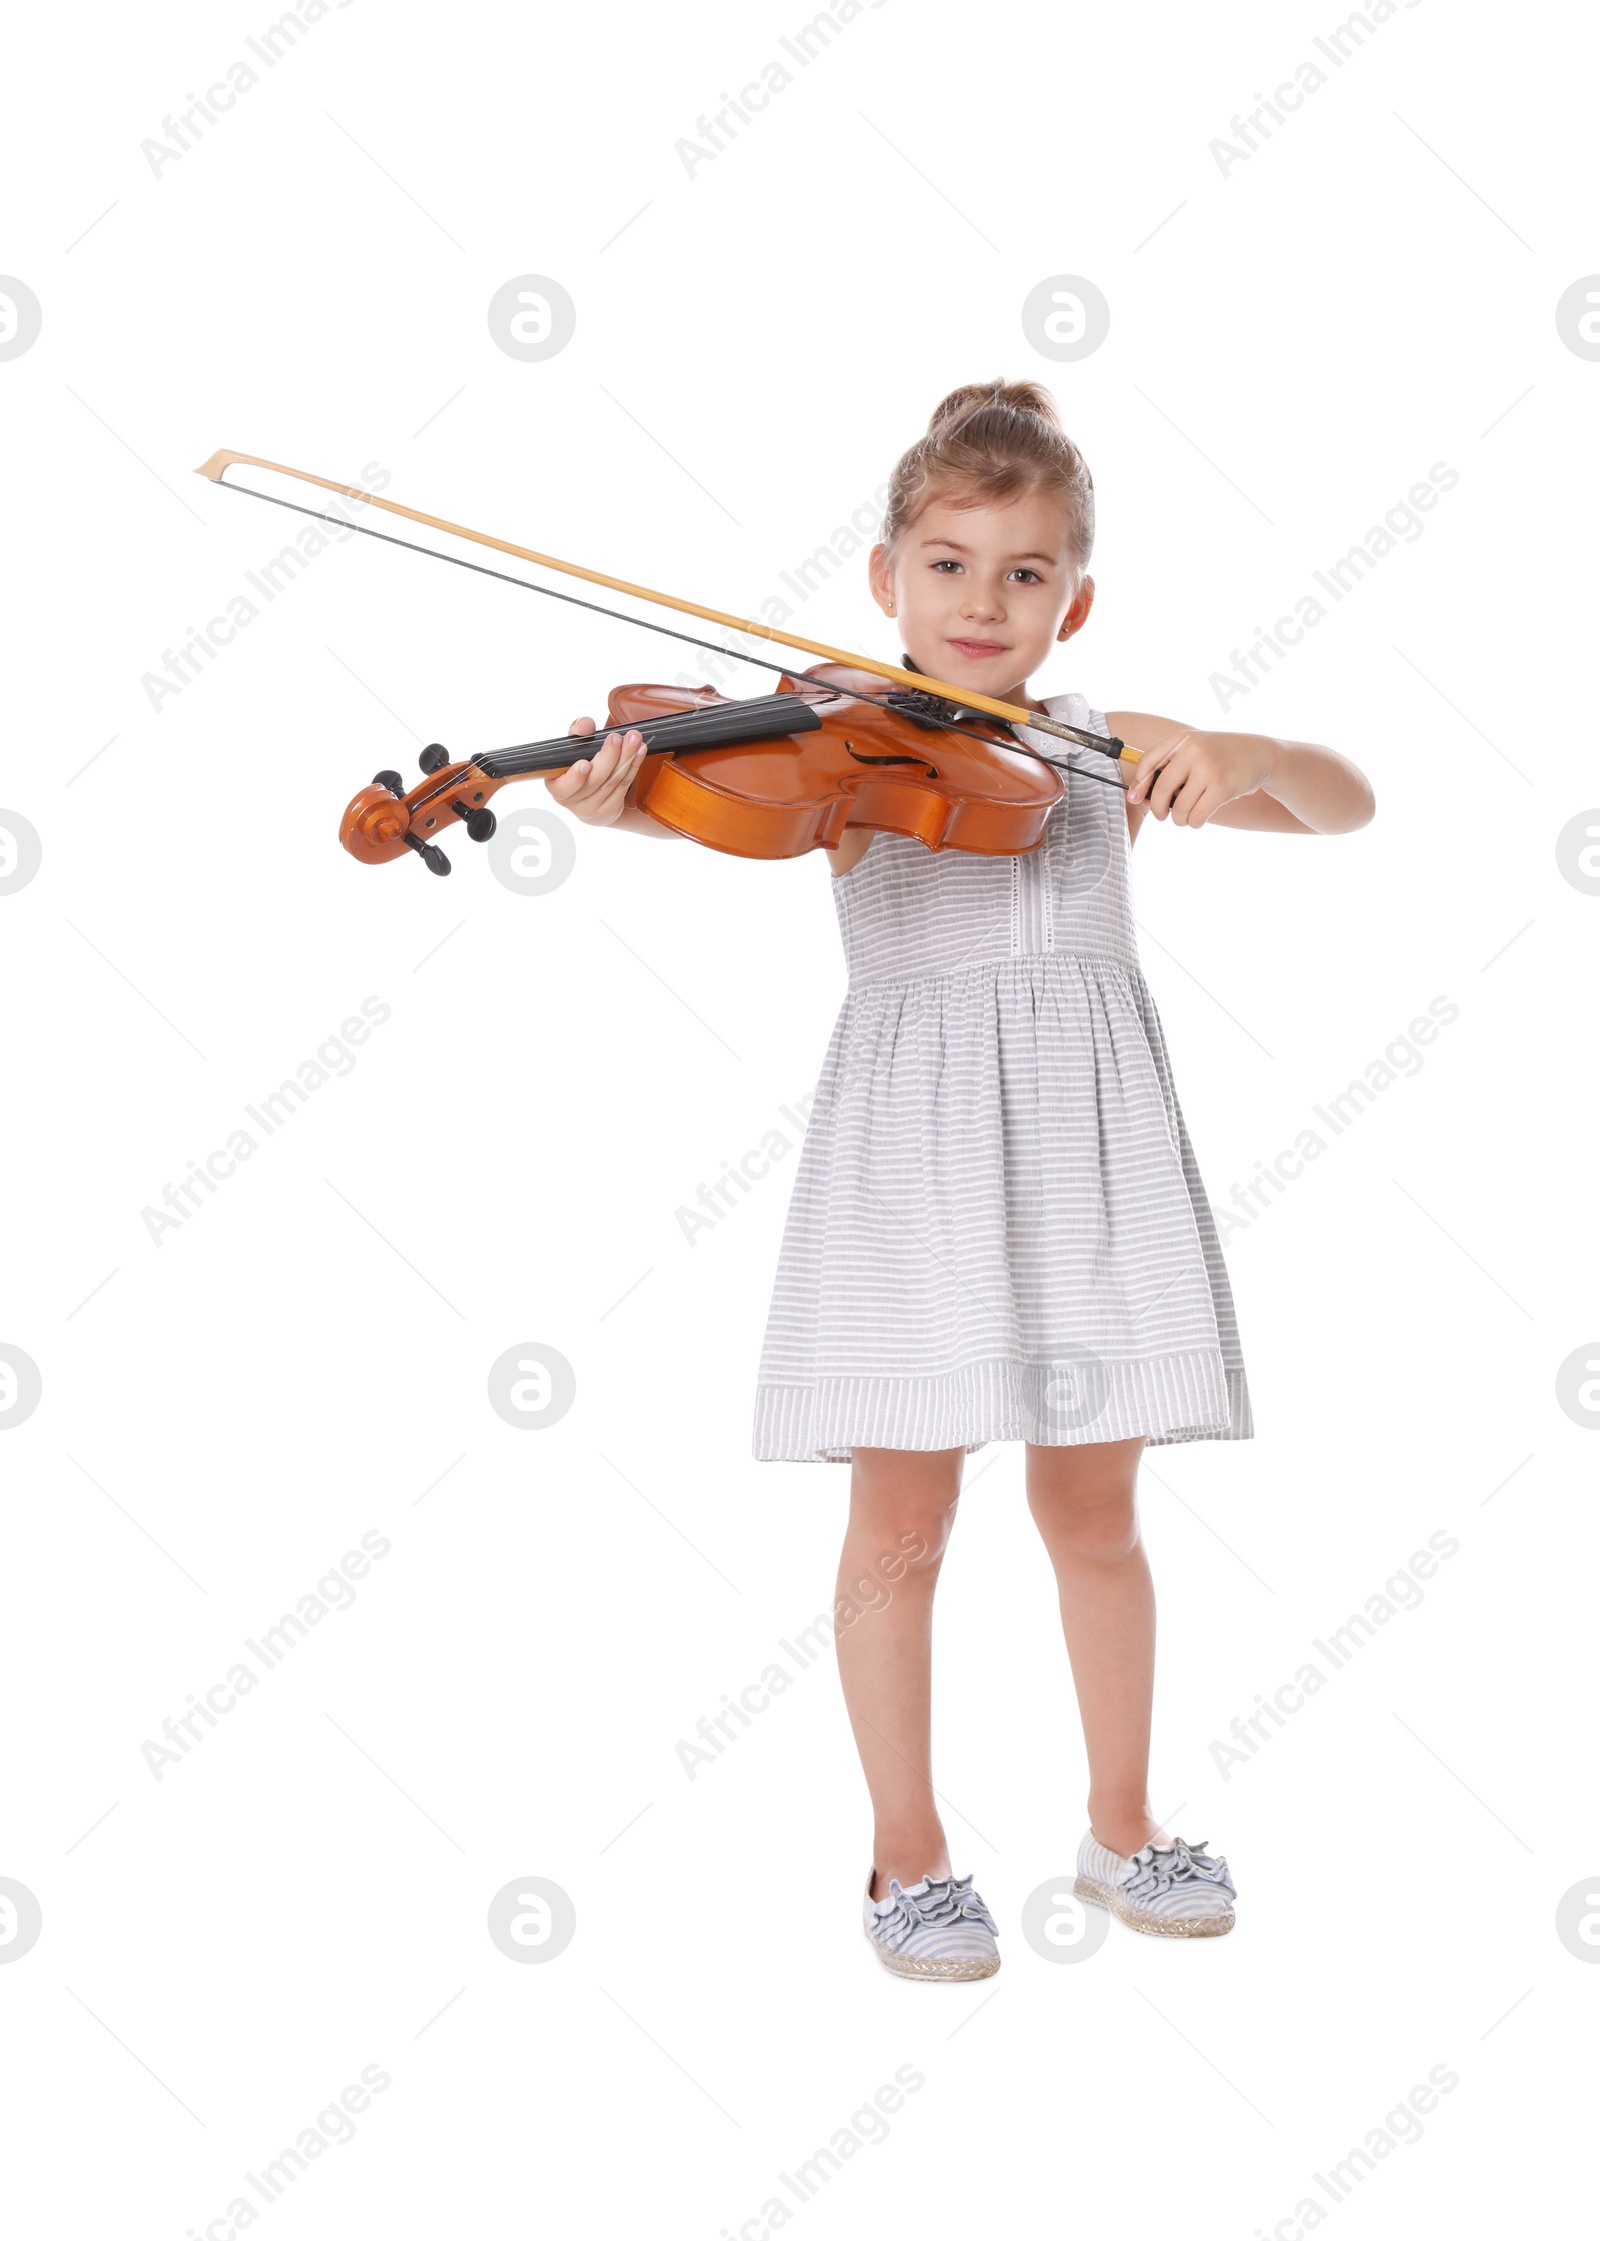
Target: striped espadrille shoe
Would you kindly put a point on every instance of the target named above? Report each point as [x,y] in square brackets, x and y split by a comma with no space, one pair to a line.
[1178,1891]
[939,1929]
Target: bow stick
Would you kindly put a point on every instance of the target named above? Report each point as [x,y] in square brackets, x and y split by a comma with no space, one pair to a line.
[216,467]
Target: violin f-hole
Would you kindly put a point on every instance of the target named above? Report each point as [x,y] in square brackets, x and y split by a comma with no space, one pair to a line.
[918,760]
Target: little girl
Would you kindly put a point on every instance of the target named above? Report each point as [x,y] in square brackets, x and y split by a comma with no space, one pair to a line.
[997,1229]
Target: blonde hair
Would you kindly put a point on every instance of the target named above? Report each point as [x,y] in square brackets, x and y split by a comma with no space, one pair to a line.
[987,442]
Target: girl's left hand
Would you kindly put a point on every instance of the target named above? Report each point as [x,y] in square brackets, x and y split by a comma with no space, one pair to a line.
[1195,773]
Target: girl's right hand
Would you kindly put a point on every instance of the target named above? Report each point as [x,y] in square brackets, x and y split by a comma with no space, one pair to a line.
[596,789]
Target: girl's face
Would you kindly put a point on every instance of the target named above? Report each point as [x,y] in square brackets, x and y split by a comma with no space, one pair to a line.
[982,593]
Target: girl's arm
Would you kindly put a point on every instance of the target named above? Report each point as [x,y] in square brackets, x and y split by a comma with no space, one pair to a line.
[1239,778]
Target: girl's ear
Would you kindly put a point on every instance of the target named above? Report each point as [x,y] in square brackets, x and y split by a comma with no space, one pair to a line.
[881,578]
[1078,613]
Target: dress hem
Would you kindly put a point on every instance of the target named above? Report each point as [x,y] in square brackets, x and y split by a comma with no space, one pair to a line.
[1074,1402]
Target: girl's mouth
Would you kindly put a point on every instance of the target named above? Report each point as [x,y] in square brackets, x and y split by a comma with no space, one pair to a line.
[978,649]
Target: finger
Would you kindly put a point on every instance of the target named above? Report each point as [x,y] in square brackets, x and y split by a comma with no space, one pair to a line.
[1201,799]
[630,753]
[1156,759]
[1149,768]
[604,760]
[629,747]
[590,785]
[1169,781]
[1205,808]
[608,758]
[1204,791]
[564,784]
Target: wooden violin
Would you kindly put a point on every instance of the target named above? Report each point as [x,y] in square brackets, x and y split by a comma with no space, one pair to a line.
[768,778]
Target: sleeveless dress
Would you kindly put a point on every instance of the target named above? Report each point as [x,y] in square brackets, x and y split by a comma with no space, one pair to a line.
[997,1229]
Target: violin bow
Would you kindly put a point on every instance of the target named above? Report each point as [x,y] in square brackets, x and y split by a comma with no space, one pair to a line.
[915,681]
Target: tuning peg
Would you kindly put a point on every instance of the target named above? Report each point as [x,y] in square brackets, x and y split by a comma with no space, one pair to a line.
[390,778]
[432,758]
[435,858]
[481,824]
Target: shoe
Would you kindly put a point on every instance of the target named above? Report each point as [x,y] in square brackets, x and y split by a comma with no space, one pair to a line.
[940,1928]
[1176,1892]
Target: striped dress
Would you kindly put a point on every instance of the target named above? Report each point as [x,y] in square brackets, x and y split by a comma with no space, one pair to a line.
[997,1229]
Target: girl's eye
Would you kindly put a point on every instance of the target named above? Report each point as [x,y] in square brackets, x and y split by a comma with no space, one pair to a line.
[947,564]
[1030,575]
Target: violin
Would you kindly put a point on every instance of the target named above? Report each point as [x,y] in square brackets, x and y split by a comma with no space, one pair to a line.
[770,777]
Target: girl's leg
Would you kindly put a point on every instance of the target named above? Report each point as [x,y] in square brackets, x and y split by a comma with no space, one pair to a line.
[902,1505]
[1083,1502]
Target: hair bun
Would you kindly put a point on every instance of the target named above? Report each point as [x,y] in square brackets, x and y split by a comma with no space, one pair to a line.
[988,441]
[1012,396]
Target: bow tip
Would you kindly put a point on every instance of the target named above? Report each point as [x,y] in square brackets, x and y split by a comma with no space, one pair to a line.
[217,464]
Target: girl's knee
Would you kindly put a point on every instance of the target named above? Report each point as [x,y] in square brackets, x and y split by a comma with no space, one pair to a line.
[1093,1522]
[900,1542]
[902,1507]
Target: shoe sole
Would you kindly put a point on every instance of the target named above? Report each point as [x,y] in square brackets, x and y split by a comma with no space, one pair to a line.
[1151,1925]
[932,1972]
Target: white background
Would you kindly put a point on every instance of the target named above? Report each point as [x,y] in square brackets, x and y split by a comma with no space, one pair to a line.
[1292,346]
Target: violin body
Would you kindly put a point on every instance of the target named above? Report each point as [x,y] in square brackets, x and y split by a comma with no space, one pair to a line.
[864,765]
[825,760]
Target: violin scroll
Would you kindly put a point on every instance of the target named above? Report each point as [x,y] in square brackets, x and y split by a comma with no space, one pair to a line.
[383,820]
[375,825]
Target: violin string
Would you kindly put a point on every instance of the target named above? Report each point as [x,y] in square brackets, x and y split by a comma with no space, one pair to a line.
[615,614]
